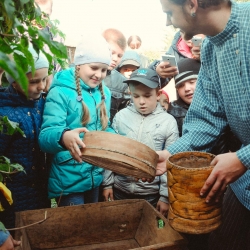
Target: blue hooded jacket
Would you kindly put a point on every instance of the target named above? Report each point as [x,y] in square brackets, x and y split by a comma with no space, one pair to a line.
[63,111]
[29,188]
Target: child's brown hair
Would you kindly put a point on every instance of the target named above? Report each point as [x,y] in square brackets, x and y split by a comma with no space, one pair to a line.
[86,116]
[116,36]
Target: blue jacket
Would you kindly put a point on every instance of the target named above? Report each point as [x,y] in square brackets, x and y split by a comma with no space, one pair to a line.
[63,111]
[29,190]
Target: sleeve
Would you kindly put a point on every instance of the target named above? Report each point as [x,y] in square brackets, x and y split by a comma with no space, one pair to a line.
[108,106]
[172,131]
[172,134]
[205,119]
[3,236]
[54,121]
[243,155]
[163,188]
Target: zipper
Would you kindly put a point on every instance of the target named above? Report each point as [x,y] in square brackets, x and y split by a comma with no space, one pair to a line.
[140,129]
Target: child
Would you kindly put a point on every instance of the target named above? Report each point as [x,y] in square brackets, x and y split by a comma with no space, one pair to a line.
[164,99]
[77,101]
[29,188]
[114,80]
[129,63]
[185,83]
[149,124]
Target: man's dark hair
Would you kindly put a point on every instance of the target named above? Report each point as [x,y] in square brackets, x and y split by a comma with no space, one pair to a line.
[202,3]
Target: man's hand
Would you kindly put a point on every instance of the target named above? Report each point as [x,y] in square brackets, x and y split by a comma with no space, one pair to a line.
[72,142]
[10,243]
[164,70]
[227,169]
[108,194]
[161,167]
[162,207]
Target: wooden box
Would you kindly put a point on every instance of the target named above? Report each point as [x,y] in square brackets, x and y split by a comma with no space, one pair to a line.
[124,224]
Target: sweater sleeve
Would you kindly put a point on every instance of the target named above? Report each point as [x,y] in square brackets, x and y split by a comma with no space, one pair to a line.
[54,121]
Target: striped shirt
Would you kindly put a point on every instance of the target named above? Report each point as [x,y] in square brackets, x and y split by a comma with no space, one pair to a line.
[222,95]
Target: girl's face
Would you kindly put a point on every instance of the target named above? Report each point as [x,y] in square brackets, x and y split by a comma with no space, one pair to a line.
[116,56]
[93,73]
[36,85]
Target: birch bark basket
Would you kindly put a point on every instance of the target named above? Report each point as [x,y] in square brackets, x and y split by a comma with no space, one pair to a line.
[189,212]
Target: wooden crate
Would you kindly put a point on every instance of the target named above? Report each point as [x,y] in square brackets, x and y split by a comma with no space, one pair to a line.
[125,224]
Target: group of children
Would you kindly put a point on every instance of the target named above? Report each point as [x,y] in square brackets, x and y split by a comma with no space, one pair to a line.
[107,84]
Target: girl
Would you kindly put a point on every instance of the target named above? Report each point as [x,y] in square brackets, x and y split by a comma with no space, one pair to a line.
[77,102]
[28,188]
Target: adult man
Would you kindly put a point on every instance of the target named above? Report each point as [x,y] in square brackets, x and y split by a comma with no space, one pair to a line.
[221,98]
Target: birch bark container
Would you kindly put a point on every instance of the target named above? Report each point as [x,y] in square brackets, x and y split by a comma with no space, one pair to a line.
[189,212]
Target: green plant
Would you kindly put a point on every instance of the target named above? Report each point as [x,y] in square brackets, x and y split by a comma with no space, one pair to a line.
[6,167]
[21,23]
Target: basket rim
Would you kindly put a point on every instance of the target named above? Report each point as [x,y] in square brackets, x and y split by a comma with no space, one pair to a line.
[190,169]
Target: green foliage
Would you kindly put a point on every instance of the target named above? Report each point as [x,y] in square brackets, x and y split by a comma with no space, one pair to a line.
[22,22]
[2,227]
[8,127]
[6,167]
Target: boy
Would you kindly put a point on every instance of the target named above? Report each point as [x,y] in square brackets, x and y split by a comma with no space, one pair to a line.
[185,83]
[114,80]
[164,99]
[129,63]
[148,124]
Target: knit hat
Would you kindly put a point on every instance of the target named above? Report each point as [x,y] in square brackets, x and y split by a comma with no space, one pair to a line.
[188,69]
[39,60]
[92,49]
[165,93]
[145,76]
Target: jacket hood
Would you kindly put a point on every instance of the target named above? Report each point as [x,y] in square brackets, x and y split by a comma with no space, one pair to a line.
[66,78]
[9,97]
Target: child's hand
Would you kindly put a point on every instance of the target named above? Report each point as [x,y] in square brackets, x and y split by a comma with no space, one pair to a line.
[162,207]
[164,70]
[10,244]
[73,142]
[196,51]
[108,194]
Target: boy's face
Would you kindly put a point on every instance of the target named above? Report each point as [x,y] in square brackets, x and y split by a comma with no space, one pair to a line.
[36,85]
[164,101]
[186,90]
[117,54]
[127,70]
[145,99]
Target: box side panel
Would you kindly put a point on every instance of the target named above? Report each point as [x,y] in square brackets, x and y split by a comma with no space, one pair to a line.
[83,225]
[149,233]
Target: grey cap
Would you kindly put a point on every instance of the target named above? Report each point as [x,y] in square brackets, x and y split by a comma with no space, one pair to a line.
[145,76]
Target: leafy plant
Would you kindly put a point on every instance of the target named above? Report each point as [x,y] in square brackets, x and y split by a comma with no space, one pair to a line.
[21,23]
[6,167]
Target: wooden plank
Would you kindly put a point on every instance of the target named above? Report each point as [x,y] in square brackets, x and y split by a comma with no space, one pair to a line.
[123,244]
[85,224]
[149,233]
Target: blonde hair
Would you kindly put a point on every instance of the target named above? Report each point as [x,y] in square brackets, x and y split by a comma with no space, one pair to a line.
[86,115]
[115,36]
